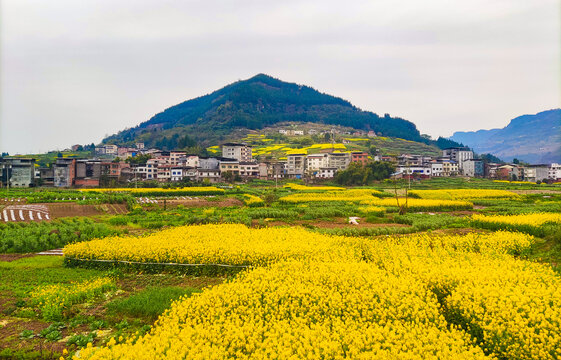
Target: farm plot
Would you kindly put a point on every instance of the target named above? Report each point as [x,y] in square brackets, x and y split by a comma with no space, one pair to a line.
[453,296]
[15,213]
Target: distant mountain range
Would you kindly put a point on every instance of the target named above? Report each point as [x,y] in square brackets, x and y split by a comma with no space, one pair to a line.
[530,138]
[253,104]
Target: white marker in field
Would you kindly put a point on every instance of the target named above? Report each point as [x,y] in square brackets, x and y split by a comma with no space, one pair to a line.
[5,216]
[39,216]
[13,215]
[353,220]
[31,215]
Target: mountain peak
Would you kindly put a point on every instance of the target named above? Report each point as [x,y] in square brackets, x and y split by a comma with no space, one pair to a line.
[532,138]
[254,103]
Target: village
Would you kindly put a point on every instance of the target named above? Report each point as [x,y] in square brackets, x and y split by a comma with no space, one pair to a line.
[112,165]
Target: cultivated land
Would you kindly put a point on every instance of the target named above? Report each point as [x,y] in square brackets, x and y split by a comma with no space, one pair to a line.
[457,269]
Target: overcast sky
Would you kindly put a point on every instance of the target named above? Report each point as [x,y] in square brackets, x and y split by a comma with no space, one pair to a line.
[75,71]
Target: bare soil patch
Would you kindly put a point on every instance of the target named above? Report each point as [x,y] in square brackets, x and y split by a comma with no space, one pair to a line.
[58,210]
[13,257]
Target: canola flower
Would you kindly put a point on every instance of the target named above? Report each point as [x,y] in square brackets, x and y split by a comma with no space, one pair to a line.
[510,306]
[351,195]
[420,204]
[252,200]
[499,242]
[535,219]
[299,187]
[515,182]
[464,194]
[230,244]
[52,300]
[304,310]
[410,297]
[372,210]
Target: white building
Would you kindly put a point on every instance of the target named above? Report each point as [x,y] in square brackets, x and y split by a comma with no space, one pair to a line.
[316,161]
[176,173]
[326,173]
[436,169]
[249,169]
[554,171]
[458,154]
[412,170]
[240,152]
[536,172]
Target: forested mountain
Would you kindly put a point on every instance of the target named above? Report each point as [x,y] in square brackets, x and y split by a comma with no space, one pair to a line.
[531,138]
[253,104]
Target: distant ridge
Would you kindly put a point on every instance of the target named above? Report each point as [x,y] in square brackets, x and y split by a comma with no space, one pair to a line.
[530,138]
[253,104]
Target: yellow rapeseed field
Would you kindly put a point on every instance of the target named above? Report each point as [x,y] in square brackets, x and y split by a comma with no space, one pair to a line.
[464,194]
[299,187]
[419,204]
[399,297]
[231,244]
[353,195]
[53,299]
[535,219]
[303,310]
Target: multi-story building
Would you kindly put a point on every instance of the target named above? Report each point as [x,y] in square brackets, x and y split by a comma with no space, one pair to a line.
[176,173]
[417,170]
[175,156]
[164,172]
[458,154]
[18,172]
[340,161]
[536,172]
[64,172]
[263,170]
[554,172]
[240,152]
[359,157]
[295,165]
[230,165]
[249,169]
[209,163]
[436,169]
[152,166]
[190,161]
[47,175]
[449,168]
[88,172]
[510,172]
[212,175]
[326,173]
[473,168]
[316,161]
